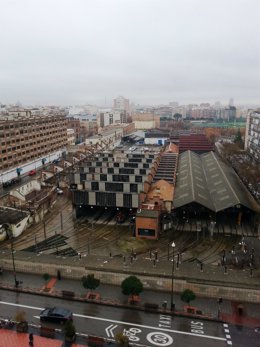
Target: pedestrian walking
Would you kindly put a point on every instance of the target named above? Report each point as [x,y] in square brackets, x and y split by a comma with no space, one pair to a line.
[31,339]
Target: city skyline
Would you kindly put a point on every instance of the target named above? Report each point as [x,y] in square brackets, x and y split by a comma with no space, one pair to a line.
[151,52]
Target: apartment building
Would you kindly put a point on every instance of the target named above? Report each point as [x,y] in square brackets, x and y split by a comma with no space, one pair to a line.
[252,135]
[146,120]
[25,137]
[121,104]
[83,127]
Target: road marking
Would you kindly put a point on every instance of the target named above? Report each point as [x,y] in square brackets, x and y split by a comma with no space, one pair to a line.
[227,333]
[20,305]
[121,322]
[109,330]
[159,339]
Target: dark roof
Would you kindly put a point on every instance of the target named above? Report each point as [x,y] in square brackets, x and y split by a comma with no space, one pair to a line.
[11,215]
[195,142]
[205,179]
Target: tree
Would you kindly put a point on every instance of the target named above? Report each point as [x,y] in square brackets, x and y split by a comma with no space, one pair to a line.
[90,282]
[238,139]
[177,116]
[187,296]
[46,278]
[21,322]
[131,286]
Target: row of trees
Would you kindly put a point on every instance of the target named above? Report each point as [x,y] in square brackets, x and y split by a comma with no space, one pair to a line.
[131,286]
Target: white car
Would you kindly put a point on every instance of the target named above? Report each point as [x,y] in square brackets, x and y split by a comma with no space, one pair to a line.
[59,191]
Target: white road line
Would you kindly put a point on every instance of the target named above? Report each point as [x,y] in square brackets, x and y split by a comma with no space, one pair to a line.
[121,322]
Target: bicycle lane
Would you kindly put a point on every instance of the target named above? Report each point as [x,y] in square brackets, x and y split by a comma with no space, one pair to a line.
[168,331]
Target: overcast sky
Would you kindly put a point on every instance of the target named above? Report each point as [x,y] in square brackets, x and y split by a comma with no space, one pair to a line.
[150,51]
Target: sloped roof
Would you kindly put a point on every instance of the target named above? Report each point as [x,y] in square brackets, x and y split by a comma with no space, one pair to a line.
[205,179]
[11,215]
[225,188]
[191,185]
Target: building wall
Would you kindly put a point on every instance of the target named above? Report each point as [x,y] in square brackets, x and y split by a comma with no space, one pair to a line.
[146,120]
[25,139]
[150,280]
[121,104]
[252,137]
[114,180]
[71,137]
[147,224]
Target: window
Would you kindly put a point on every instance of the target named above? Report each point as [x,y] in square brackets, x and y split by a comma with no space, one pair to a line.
[105,199]
[103,177]
[120,178]
[139,179]
[127,200]
[94,186]
[114,187]
[133,188]
[82,177]
[133,165]
[142,172]
[126,171]
[110,170]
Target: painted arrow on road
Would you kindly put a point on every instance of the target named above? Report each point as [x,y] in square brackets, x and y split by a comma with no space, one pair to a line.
[109,330]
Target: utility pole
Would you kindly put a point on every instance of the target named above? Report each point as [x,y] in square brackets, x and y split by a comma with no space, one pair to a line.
[44,230]
[61,222]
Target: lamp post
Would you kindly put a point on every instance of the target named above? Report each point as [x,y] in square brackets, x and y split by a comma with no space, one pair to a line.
[10,236]
[173,246]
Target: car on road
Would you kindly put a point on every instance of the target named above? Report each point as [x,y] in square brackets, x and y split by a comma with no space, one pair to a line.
[7,184]
[56,315]
[32,172]
[15,181]
[10,183]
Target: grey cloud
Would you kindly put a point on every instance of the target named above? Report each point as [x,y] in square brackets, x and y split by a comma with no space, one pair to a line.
[72,51]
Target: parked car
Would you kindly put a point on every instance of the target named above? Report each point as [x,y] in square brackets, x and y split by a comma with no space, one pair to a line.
[15,181]
[10,183]
[56,315]
[32,172]
[7,184]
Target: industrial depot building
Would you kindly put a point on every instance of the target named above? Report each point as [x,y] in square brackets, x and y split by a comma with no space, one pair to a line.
[164,188]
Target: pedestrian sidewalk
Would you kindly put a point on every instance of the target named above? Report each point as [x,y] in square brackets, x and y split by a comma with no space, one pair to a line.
[240,313]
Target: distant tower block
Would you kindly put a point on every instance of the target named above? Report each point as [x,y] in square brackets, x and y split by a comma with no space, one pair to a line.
[231,102]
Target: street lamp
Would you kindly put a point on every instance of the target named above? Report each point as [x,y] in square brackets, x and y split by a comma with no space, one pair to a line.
[173,246]
[10,236]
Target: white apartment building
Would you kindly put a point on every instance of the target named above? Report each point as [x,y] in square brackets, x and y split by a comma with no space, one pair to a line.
[121,104]
[109,118]
[252,136]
